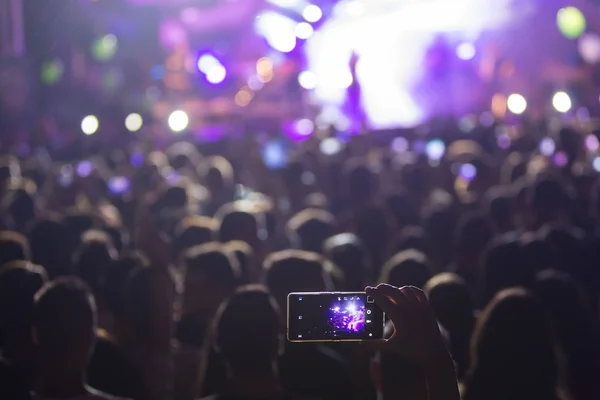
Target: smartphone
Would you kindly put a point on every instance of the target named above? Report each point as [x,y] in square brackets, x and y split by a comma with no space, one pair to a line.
[333,317]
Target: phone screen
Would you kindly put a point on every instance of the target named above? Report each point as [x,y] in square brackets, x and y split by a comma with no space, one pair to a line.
[333,316]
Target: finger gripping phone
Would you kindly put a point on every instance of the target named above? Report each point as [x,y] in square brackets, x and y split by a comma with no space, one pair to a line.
[333,317]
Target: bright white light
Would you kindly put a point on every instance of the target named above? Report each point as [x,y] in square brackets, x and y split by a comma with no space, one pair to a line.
[344,80]
[331,146]
[435,149]
[591,142]
[312,13]
[547,146]
[304,30]
[89,124]
[216,74]
[355,9]
[285,3]
[516,104]
[561,102]
[109,41]
[589,47]
[351,307]
[206,62]
[308,80]
[134,122]
[278,30]
[465,51]
[596,164]
[178,120]
[304,126]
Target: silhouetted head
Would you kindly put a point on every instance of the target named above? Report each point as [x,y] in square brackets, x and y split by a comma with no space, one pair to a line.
[347,251]
[295,271]
[473,233]
[19,282]
[193,231]
[13,247]
[218,175]
[407,268]
[404,209]
[237,222]
[93,259]
[19,204]
[64,325]
[52,247]
[501,208]
[548,201]
[211,275]
[361,182]
[248,334]
[513,350]
[308,229]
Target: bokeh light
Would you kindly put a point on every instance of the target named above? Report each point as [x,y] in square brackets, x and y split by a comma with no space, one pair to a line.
[312,13]
[516,103]
[84,168]
[308,80]
[571,22]
[547,146]
[465,51]
[105,48]
[89,124]
[344,80]
[178,120]
[206,62]
[278,30]
[503,141]
[304,127]
[560,159]
[244,97]
[134,122]
[561,102]
[274,155]
[591,143]
[264,69]
[52,71]
[435,149]
[331,146]
[304,30]
[596,164]
[216,74]
[589,48]
[468,172]
[399,145]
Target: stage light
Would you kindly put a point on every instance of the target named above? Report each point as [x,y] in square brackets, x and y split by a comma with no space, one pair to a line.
[547,147]
[157,72]
[304,30]
[134,122]
[344,80]
[596,164]
[84,168]
[105,48]
[331,146]
[243,97]
[178,121]
[571,22]
[312,13]
[503,141]
[89,124]
[277,29]
[255,83]
[264,67]
[52,71]
[355,9]
[285,3]
[399,145]
[560,159]
[589,48]
[308,80]
[561,102]
[465,51]
[516,104]
[304,127]
[435,149]
[206,62]
[216,74]
[468,172]
[591,143]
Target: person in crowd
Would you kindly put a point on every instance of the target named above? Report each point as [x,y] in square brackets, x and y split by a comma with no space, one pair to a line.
[51,247]
[439,227]
[500,206]
[13,247]
[64,330]
[309,228]
[193,231]
[407,268]
[19,282]
[236,221]
[514,351]
[19,206]
[211,275]
[472,236]
[347,252]
[549,202]
[454,307]
[218,177]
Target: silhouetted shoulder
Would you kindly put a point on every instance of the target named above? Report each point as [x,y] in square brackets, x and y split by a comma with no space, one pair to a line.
[93,394]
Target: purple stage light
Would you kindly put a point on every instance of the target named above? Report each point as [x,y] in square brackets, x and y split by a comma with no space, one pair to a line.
[468,172]
[547,146]
[216,74]
[560,159]
[84,169]
[503,141]
[466,51]
[591,143]
[347,317]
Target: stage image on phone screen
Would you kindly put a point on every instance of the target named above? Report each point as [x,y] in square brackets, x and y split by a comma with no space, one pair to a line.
[333,316]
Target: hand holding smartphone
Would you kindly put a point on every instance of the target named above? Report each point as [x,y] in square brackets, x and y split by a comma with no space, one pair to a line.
[333,317]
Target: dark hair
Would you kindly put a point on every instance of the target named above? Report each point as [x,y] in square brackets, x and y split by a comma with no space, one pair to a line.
[193,231]
[51,246]
[64,315]
[13,247]
[548,198]
[347,252]
[501,208]
[236,223]
[308,229]
[19,282]
[93,259]
[407,268]
[215,262]
[513,350]
[248,328]
[117,277]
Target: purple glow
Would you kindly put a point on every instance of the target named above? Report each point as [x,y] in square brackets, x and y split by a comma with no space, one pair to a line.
[399,145]
[136,159]
[466,51]
[347,317]
[547,146]
[591,143]
[468,172]
[304,127]
[503,141]
[172,34]
[560,159]
[84,169]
